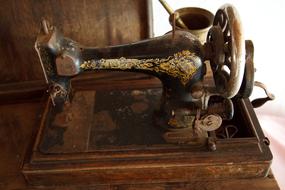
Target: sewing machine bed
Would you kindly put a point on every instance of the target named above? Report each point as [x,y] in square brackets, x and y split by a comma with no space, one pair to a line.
[108,137]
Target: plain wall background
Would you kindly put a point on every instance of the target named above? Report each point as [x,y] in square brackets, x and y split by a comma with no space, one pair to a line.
[263,22]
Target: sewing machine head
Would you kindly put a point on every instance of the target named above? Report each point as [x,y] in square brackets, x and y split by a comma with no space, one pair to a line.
[199,80]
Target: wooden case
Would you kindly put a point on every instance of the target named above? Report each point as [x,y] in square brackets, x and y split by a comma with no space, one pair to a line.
[111,140]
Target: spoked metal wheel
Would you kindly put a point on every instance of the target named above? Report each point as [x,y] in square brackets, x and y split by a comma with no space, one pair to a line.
[227,51]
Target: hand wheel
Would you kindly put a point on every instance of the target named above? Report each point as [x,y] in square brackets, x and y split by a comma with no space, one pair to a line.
[227,51]
[248,78]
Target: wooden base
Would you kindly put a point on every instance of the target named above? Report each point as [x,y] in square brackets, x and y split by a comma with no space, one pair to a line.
[107,137]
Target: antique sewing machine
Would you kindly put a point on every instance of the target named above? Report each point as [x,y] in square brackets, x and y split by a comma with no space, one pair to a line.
[188,103]
[204,88]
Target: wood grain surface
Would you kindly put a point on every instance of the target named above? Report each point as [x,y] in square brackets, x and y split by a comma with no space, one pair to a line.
[94,23]
[17,125]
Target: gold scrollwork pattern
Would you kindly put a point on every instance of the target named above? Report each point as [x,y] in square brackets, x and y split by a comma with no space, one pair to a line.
[181,65]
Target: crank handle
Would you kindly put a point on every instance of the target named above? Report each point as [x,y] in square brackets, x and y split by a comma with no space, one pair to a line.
[260,101]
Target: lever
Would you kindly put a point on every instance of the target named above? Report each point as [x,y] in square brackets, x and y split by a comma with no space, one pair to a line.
[260,101]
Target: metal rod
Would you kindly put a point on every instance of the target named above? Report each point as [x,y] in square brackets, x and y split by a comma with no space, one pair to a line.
[171,12]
